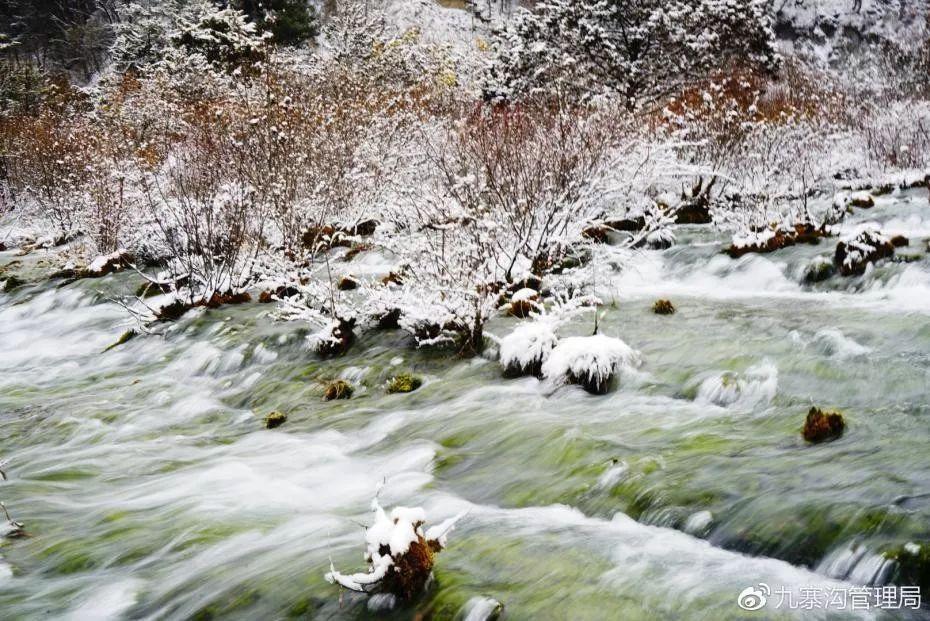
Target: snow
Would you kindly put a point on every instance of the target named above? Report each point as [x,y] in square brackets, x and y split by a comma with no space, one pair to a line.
[524,295]
[597,357]
[748,239]
[528,344]
[862,242]
[388,539]
[98,265]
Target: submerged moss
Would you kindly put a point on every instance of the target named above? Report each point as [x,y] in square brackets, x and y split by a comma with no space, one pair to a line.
[403,382]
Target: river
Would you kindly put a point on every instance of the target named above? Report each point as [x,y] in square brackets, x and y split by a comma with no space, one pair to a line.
[151,490]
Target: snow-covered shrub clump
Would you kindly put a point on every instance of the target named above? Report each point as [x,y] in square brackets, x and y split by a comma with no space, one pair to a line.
[399,553]
[523,351]
[590,361]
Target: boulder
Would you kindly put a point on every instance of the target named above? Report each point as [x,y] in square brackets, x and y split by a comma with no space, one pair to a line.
[694,212]
[523,302]
[855,253]
[628,225]
[389,320]
[862,200]
[347,283]
[596,233]
[226,297]
[107,264]
[912,564]
[523,351]
[363,228]
[775,238]
[589,361]
[335,338]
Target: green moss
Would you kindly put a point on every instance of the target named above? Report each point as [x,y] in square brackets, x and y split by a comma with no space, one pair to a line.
[338,389]
[913,564]
[125,337]
[275,419]
[239,600]
[403,382]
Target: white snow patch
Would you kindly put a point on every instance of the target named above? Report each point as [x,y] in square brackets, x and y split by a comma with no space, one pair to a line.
[597,357]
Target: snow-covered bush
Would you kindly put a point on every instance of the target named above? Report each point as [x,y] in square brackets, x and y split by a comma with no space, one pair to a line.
[636,49]
[590,361]
[224,37]
[46,168]
[143,33]
[399,552]
[290,22]
[897,136]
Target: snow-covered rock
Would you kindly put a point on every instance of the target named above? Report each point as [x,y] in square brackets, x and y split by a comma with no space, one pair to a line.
[590,361]
[855,252]
[523,351]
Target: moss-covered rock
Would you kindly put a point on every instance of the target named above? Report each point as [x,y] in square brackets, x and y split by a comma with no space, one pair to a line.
[275,420]
[663,307]
[338,389]
[823,426]
[820,269]
[403,382]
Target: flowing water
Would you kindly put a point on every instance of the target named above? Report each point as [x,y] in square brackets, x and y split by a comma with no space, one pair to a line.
[151,490]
